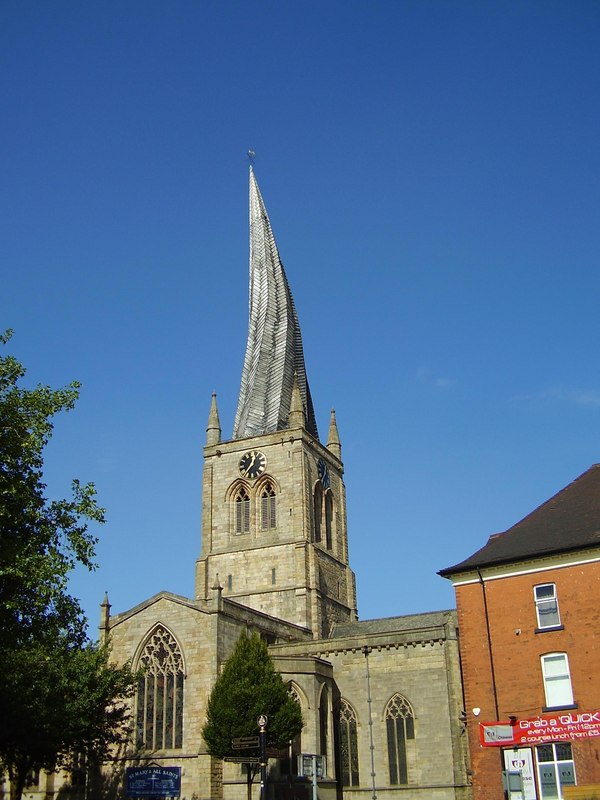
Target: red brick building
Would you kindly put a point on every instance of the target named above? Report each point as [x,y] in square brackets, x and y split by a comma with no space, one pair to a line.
[529,621]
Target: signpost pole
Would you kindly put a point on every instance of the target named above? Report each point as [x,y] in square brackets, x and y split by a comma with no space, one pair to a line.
[262,736]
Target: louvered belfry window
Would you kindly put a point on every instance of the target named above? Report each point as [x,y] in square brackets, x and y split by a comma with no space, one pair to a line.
[242,512]
[268,508]
[159,699]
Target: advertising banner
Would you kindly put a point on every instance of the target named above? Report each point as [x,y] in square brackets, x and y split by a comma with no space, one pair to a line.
[559,727]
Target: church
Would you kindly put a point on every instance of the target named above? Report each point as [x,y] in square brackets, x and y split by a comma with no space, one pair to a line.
[381,699]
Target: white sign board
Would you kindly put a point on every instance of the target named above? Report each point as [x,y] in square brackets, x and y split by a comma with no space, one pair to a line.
[521,761]
[307,762]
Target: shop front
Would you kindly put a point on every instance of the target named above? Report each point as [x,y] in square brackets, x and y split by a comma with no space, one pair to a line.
[539,753]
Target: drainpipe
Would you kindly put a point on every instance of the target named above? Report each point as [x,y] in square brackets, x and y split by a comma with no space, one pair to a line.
[489,642]
[371,745]
[491,657]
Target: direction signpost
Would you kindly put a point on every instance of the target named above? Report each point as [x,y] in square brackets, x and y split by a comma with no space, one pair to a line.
[245,743]
[262,724]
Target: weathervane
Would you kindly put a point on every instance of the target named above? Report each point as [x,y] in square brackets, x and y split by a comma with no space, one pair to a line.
[251,157]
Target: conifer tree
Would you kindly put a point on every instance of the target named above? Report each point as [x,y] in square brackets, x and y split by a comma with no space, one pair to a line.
[249,686]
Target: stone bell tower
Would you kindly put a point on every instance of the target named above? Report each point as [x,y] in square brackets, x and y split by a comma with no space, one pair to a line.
[273,500]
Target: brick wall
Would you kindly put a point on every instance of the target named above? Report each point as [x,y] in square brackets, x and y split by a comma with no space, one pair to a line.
[514,648]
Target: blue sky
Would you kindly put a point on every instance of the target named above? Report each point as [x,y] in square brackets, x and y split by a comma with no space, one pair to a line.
[432,174]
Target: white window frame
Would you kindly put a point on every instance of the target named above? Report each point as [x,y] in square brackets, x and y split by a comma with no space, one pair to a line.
[557,680]
[545,603]
[556,767]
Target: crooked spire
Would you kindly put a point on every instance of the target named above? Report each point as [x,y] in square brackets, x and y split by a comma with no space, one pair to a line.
[274,349]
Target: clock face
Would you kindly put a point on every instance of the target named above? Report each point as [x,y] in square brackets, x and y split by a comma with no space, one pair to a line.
[323,471]
[252,464]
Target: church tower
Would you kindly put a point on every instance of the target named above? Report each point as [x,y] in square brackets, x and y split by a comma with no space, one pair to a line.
[273,500]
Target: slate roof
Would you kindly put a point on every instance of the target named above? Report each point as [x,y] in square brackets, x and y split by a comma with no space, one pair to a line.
[568,521]
[428,619]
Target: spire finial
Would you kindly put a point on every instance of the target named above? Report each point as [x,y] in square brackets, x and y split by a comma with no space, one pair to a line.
[296,416]
[251,157]
[104,627]
[333,440]
[213,429]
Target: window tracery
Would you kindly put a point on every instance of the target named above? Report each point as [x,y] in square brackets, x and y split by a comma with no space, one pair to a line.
[400,723]
[289,765]
[348,744]
[159,700]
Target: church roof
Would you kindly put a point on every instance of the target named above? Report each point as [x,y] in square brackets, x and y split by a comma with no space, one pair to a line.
[568,521]
[274,351]
[407,622]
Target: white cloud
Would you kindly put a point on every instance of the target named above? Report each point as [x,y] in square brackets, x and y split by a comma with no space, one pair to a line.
[576,397]
[586,398]
[425,375]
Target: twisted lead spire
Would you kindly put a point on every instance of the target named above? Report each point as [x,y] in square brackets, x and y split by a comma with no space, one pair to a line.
[274,349]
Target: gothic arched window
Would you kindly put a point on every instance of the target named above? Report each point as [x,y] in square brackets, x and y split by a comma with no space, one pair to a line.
[348,744]
[159,700]
[289,764]
[268,507]
[400,723]
[328,518]
[318,510]
[323,722]
[242,511]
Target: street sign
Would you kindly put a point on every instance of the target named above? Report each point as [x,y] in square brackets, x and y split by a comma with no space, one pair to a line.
[242,759]
[245,742]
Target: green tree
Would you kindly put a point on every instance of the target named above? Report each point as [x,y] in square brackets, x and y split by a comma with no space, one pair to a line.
[248,686]
[58,693]
[41,540]
[62,702]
